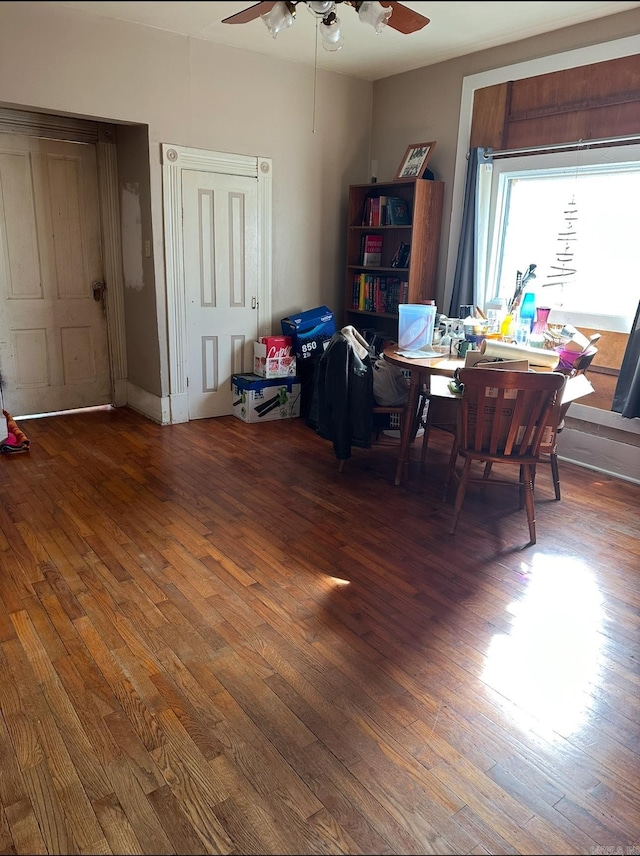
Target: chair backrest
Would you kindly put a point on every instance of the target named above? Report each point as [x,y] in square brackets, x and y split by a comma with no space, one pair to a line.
[508,413]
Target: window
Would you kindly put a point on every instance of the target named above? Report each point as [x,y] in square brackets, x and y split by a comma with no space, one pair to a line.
[576,216]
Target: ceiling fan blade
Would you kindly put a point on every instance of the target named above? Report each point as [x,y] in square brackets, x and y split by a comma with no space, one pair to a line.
[250,14]
[403,19]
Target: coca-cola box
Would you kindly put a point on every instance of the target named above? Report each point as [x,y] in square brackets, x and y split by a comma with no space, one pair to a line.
[273,357]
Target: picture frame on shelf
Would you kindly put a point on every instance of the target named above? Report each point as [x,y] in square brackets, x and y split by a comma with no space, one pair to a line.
[415,160]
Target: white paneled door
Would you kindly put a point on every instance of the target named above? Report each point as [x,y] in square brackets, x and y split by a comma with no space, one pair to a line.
[53,331]
[220,249]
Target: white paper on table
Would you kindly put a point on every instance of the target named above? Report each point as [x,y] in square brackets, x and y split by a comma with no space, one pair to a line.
[418,355]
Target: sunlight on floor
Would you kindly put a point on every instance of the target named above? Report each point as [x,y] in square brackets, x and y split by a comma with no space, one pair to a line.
[65,412]
[547,663]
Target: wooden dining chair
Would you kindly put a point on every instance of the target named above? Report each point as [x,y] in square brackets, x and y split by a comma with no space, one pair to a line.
[442,404]
[440,410]
[400,412]
[504,416]
[550,452]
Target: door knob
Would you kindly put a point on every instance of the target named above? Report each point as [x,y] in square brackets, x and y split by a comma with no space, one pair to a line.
[98,288]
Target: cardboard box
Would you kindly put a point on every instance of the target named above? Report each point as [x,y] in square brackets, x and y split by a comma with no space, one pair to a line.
[257,399]
[310,331]
[273,357]
[576,387]
[574,340]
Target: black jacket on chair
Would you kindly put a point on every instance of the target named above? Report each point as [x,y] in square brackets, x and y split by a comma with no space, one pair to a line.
[342,403]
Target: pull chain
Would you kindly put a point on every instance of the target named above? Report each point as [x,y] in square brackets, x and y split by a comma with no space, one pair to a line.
[315,81]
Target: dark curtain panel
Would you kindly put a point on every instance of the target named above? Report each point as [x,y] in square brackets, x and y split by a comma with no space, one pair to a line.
[626,399]
[466,262]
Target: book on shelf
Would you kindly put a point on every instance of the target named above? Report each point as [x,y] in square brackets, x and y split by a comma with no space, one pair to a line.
[372,250]
[368,213]
[362,290]
[383,211]
[398,211]
[375,211]
[355,292]
[401,256]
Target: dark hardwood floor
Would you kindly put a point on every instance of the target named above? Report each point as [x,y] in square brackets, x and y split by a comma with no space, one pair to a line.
[211,641]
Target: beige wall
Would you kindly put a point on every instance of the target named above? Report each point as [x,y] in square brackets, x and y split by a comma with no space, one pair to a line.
[144,309]
[425,104]
[194,93]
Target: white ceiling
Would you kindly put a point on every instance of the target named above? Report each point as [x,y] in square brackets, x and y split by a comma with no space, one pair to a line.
[456,28]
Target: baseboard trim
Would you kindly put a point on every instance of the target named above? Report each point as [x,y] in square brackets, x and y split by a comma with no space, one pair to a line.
[149,405]
[602,454]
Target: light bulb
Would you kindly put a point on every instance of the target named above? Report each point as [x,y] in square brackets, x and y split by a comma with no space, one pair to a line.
[332,39]
[375,14]
[278,18]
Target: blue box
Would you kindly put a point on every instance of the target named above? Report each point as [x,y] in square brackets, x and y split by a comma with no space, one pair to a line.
[259,399]
[310,331]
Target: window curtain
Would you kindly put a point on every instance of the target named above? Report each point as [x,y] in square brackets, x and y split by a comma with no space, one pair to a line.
[626,398]
[469,280]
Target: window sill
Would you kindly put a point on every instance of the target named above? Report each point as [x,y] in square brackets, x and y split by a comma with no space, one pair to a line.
[601,323]
[606,422]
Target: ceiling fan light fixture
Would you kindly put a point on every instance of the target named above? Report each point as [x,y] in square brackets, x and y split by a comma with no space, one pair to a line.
[320,8]
[375,14]
[278,18]
[332,38]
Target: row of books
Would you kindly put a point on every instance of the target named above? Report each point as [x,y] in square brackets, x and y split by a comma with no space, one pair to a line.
[378,293]
[386,211]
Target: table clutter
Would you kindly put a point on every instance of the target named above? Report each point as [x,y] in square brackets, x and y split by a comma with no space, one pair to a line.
[544,343]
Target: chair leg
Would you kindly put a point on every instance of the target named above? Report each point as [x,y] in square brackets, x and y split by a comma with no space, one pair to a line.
[451,470]
[522,488]
[426,425]
[460,493]
[528,474]
[486,473]
[555,473]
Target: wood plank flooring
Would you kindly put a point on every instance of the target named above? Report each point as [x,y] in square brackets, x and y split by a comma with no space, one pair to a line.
[211,641]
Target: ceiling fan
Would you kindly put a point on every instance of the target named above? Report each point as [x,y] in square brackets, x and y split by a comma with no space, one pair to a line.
[279,15]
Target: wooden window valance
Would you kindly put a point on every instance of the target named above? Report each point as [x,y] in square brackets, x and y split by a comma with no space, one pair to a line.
[589,102]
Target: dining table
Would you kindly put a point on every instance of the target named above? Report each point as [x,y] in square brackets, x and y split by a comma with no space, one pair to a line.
[423,369]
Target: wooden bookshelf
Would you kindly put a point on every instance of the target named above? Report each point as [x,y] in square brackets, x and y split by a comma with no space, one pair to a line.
[378,311]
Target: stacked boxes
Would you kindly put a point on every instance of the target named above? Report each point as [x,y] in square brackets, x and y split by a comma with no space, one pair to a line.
[257,399]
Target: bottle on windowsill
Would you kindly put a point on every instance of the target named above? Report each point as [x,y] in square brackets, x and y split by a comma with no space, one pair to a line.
[542,317]
[507,325]
[527,309]
[468,322]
